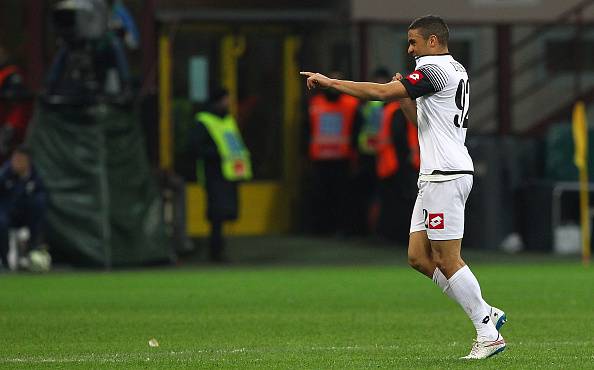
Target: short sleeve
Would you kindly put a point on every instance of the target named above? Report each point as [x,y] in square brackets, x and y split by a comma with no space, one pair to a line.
[427,79]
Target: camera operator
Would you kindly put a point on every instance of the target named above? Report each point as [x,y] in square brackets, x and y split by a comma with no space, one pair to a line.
[90,65]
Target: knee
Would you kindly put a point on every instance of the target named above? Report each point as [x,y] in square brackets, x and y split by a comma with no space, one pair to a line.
[419,255]
[441,262]
[418,263]
[423,265]
[447,265]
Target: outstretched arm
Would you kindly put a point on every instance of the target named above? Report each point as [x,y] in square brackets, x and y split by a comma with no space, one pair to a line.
[362,90]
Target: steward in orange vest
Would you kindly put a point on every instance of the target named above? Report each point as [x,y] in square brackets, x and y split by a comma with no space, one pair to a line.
[330,138]
[388,161]
[398,164]
[331,121]
[14,111]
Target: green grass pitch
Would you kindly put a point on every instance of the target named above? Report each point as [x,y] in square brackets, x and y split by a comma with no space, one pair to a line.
[290,317]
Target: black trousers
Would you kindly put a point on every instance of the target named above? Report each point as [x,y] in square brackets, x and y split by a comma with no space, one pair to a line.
[216,242]
[328,197]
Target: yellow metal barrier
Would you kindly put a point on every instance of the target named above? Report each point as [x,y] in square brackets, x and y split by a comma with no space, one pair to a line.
[165,127]
[258,212]
[232,47]
[291,127]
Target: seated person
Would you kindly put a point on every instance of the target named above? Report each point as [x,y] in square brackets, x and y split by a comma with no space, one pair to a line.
[22,200]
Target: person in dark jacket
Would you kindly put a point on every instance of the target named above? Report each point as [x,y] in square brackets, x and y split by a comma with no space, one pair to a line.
[23,200]
[222,162]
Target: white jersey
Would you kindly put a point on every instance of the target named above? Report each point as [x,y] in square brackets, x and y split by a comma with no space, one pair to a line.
[441,88]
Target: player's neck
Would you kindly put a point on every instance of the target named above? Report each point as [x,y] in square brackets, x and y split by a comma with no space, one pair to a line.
[439,51]
[436,52]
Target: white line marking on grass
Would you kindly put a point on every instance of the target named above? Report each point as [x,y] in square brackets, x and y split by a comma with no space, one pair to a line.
[189,354]
[556,343]
[118,357]
[354,348]
[104,358]
[128,357]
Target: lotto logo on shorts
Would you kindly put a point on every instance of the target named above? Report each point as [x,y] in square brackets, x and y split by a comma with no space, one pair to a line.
[436,221]
[415,77]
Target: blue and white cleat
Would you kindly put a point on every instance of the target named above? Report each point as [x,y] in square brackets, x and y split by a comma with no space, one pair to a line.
[498,317]
[486,349]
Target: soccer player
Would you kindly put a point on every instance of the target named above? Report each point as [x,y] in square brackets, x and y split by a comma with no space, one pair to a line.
[436,98]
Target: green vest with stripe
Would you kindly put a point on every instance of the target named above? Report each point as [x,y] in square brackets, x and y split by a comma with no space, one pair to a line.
[372,118]
[235,158]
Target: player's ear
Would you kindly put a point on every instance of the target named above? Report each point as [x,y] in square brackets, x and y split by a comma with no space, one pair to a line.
[433,40]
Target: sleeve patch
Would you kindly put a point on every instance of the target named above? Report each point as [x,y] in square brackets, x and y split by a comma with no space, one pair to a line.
[415,77]
[417,84]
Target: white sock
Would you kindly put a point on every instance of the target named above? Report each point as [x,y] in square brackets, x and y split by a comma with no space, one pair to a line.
[442,282]
[466,291]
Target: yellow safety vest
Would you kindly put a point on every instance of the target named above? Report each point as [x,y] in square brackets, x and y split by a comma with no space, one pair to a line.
[368,136]
[235,158]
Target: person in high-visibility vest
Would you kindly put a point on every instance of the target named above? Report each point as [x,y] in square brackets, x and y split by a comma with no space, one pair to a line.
[330,146]
[397,168]
[222,162]
[14,110]
[365,191]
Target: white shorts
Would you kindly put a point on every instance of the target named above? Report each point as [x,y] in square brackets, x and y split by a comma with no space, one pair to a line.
[439,208]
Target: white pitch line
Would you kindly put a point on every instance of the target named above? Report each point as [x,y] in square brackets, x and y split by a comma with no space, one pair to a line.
[118,357]
[127,357]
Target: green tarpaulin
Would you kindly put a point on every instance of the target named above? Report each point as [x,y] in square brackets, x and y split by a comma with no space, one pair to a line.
[104,205]
[559,165]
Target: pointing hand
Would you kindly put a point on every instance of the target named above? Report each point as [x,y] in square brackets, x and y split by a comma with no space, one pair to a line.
[316,80]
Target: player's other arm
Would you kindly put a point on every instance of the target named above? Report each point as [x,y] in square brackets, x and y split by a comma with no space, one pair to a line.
[409,108]
[362,90]
[408,105]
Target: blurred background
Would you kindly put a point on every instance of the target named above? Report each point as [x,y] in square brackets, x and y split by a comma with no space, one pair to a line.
[106,95]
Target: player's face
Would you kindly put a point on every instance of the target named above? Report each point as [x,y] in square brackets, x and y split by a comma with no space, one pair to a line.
[223,104]
[20,163]
[417,45]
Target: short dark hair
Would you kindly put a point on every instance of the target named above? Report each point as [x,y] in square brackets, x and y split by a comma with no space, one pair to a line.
[431,25]
[217,94]
[23,149]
